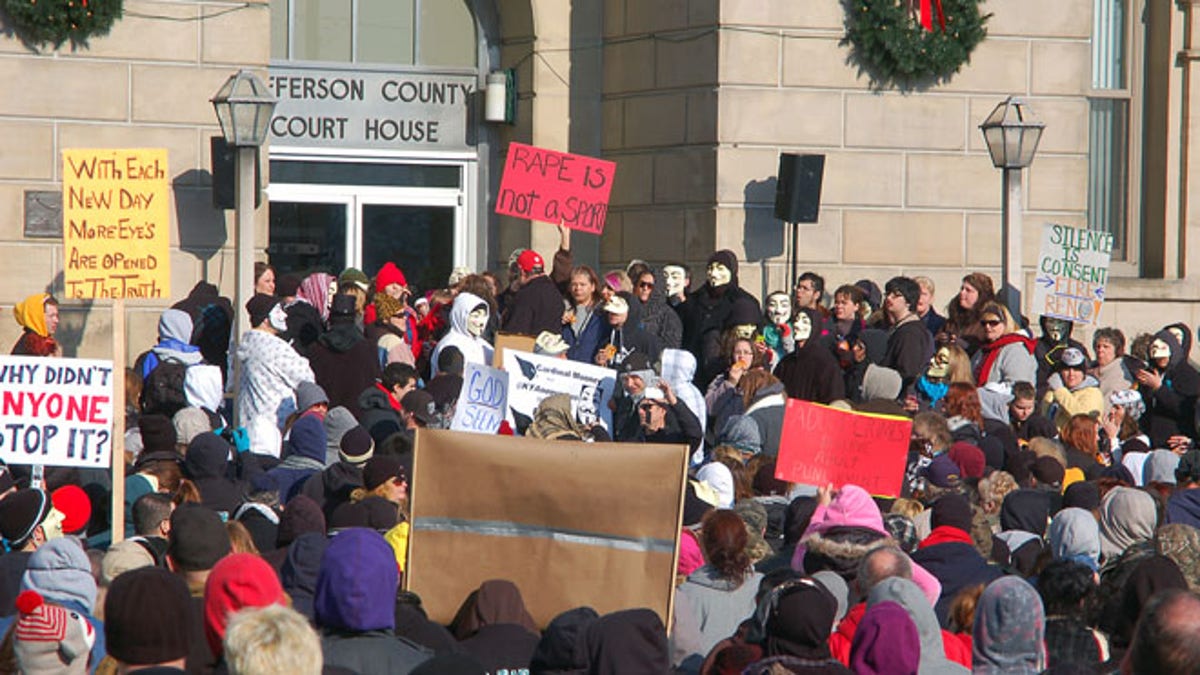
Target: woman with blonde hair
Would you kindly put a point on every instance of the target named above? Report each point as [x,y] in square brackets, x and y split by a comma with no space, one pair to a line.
[1006,354]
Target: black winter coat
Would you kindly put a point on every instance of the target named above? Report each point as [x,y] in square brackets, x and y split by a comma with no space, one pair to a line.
[536,307]
[705,315]
[344,363]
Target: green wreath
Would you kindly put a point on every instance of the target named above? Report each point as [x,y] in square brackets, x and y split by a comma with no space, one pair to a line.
[890,43]
[40,22]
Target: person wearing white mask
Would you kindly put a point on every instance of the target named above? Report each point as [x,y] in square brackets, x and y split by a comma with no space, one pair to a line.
[468,319]
[270,369]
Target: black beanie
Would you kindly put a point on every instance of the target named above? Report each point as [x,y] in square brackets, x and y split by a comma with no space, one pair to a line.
[726,258]
[146,615]
[1188,470]
[259,307]
[198,538]
[1083,495]
[951,510]
[158,433]
[21,513]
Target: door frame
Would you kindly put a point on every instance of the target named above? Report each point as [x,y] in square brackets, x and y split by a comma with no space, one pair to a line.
[467,237]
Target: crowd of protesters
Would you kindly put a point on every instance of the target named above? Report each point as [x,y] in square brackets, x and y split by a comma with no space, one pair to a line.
[1047,521]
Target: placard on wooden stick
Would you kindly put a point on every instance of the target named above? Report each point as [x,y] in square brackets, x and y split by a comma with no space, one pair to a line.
[116,245]
[571,524]
[556,187]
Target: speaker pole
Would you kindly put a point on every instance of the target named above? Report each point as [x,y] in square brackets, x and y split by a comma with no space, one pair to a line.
[795,256]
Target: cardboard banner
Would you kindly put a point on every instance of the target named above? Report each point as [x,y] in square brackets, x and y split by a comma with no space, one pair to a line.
[56,412]
[532,378]
[569,524]
[482,401]
[555,187]
[504,341]
[821,445]
[1072,272]
[116,215]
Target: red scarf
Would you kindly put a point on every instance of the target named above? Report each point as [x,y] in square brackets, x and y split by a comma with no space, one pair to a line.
[946,534]
[391,397]
[992,351]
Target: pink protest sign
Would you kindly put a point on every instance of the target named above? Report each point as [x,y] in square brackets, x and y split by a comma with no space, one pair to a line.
[823,445]
[555,187]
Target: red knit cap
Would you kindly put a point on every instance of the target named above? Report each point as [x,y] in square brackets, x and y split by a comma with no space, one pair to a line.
[239,580]
[76,507]
[389,274]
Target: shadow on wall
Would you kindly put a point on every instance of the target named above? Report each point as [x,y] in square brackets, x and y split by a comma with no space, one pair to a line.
[202,228]
[762,233]
[73,317]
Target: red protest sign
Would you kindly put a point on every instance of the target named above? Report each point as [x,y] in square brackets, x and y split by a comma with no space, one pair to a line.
[555,187]
[823,445]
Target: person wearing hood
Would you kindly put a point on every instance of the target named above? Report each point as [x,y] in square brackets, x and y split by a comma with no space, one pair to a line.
[300,567]
[304,322]
[1010,626]
[717,597]
[493,626]
[949,553]
[335,483]
[709,312]
[468,319]
[679,370]
[174,333]
[657,317]
[627,642]
[343,361]
[1055,339]
[270,369]
[212,318]
[886,642]
[1169,386]
[1023,518]
[61,574]
[763,399]
[354,607]
[1184,505]
[623,335]
[1006,354]
[1075,536]
[38,317]
[797,628]
[910,344]
[206,465]
[811,372]
[304,457]
[866,379]
[1071,391]
[905,593]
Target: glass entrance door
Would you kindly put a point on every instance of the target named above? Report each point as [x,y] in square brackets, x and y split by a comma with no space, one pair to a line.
[320,229]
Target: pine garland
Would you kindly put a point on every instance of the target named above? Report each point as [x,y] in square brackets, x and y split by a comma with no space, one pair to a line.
[895,48]
[53,22]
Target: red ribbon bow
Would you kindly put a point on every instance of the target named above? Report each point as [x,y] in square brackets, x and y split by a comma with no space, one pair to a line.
[928,7]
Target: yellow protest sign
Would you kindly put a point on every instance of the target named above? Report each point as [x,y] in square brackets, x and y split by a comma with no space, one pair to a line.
[116,211]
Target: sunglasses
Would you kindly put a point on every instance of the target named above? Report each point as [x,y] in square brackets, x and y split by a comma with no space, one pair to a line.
[990,323]
[643,284]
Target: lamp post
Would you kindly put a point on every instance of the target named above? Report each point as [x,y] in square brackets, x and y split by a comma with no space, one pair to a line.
[1012,133]
[244,107]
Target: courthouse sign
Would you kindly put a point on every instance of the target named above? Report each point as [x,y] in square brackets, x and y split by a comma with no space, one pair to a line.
[376,110]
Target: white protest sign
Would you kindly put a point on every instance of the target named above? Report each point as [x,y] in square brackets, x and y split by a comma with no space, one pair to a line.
[1071,273]
[482,401]
[56,412]
[532,378]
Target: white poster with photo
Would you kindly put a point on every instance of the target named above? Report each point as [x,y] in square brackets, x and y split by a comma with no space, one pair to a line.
[56,412]
[532,378]
[482,401]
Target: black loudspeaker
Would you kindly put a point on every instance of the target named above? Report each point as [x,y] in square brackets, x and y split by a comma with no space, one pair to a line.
[224,175]
[798,192]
